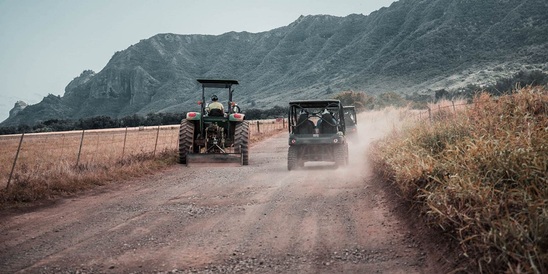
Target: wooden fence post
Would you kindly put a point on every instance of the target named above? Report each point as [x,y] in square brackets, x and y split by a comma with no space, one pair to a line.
[15,160]
[124,147]
[258,127]
[80,150]
[156,144]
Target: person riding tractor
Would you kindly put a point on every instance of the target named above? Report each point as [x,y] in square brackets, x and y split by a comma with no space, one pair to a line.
[215,108]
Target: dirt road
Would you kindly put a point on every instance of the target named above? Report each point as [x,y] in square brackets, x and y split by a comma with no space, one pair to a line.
[259,218]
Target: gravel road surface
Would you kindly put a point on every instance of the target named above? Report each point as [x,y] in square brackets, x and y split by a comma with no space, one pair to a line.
[259,218]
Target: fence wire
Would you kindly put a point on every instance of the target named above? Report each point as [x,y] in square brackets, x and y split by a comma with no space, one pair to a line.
[39,152]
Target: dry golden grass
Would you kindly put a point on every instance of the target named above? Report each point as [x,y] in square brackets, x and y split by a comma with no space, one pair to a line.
[480,173]
[48,164]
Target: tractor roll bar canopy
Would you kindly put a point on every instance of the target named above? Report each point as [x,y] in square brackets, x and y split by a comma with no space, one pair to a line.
[327,103]
[217,83]
[209,83]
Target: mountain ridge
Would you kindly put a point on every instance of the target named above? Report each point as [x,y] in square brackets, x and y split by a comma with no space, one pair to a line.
[412,45]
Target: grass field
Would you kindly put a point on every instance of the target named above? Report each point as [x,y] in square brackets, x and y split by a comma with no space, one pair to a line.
[480,174]
[50,164]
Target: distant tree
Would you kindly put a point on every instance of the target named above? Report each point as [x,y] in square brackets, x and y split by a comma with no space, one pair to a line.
[504,85]
[520,79]
[97,122]
[153,119]
[360,100]
[131,121]
[253,114]
[8,130]
[271,113]
[23,128]
[390,99]
[172,118]
[441,94]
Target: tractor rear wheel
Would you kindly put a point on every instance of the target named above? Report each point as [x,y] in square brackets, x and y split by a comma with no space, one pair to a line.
[186,140]
[241,141]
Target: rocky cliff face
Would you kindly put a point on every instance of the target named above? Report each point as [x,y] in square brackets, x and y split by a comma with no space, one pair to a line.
[18,107]
[413,45]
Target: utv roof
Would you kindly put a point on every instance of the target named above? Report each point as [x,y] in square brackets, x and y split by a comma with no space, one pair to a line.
[349,107]
[315,103]
[214,83]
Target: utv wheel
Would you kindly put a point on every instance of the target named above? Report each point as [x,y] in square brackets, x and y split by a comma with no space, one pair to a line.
[186,140]
[346,154]
[340,155]
[241,141]
[292,158]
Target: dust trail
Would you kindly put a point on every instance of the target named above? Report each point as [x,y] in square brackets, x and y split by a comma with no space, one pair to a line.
[372,126]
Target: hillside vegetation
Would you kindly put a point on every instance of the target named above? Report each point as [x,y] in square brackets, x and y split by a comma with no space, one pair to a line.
[480,174]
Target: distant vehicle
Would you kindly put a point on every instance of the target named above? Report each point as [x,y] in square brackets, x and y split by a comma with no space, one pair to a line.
[351,122]
[316,133]
[220,138]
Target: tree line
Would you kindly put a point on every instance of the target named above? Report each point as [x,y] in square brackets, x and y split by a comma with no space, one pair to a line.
[364,101]
[151,119]
[501,87]
[97,122]
[361,100]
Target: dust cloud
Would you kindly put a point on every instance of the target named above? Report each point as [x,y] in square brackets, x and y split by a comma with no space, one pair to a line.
[372,126]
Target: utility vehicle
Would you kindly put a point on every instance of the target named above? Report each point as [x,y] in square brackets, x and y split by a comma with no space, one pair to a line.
[316,133]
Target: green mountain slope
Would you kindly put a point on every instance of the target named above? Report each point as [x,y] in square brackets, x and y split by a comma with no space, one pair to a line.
[413,45]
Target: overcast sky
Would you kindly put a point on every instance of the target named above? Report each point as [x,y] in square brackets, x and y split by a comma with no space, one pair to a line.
[44,44]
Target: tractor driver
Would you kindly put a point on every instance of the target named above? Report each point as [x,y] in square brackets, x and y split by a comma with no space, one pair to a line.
[215,108]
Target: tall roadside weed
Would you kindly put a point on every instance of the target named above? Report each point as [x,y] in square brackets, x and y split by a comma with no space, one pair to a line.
[480,174]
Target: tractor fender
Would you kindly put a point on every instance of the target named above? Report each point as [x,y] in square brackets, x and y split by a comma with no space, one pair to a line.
[236,117]
[193,116]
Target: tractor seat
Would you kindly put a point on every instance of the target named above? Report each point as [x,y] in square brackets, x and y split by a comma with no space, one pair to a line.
[216,112]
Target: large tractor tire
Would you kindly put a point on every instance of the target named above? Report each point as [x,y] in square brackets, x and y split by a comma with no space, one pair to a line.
[292,158]
[241,141]
[186,140]
[341,155]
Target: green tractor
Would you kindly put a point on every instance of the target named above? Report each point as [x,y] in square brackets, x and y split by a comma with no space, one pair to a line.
[316,133]
[212,135]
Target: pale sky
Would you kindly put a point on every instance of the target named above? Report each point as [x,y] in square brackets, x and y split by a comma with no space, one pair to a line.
[44,44]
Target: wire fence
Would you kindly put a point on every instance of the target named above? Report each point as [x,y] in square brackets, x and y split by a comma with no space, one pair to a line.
[439,110]
[39,152]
